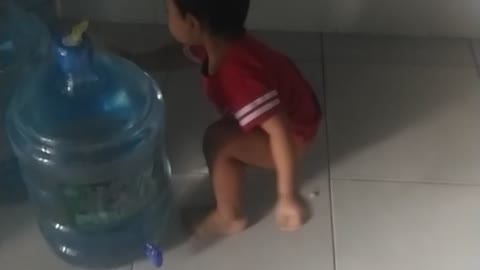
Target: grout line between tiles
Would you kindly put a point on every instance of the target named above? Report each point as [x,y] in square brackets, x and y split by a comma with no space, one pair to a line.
[474,56]
[397,181]
[330,183]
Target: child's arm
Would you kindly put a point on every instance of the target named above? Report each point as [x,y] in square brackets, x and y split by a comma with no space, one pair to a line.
[290,211]
[283,153]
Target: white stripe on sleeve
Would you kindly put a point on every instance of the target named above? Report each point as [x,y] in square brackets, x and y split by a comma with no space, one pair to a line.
[255,104]
[258,112]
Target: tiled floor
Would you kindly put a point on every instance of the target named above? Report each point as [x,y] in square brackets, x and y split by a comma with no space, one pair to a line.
[395,166]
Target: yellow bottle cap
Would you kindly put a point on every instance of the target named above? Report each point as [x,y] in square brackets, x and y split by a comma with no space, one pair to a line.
[75,37]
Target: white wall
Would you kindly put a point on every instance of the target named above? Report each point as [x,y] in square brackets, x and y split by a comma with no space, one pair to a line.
[410,17]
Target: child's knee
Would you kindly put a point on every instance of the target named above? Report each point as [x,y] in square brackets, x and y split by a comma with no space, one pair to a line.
[212,140]
[217,139]
[210,136]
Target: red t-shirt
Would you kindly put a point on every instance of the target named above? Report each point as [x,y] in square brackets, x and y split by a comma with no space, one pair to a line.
[253,83]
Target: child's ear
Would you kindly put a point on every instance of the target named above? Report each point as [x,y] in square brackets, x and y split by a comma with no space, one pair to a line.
[193,22]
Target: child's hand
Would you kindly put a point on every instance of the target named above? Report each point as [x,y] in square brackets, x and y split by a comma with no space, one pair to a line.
[291,213]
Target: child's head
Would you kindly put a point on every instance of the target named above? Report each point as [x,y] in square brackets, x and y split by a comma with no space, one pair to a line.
[190,20]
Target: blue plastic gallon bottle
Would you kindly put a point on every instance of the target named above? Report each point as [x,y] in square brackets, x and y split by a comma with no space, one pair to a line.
[88,131]
[24,44]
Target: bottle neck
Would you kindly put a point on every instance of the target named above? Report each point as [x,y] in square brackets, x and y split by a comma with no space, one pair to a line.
[75,62]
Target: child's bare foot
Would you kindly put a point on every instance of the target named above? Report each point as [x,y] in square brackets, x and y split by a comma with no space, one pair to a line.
[217,225]
[291,213]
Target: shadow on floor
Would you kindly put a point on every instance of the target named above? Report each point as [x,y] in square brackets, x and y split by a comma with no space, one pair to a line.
[14,219]
[366,117]
[12,189]
[13,201]
[391,109]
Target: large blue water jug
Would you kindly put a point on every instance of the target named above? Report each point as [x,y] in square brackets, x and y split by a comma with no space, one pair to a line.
[88,131]
[23,45]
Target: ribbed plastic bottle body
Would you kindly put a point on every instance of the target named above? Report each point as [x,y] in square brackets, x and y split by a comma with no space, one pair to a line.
[24,43]
[91,148]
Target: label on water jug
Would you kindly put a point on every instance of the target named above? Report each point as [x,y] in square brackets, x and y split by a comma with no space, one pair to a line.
[108,203]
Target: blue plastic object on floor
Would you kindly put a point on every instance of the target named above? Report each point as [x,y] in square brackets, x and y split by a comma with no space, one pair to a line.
[88,131]
[23,46]
[154,253]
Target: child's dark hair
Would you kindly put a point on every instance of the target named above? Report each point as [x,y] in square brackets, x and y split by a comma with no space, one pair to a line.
[225,18]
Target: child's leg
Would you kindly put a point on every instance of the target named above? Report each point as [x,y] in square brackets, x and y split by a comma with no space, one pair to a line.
[227,150]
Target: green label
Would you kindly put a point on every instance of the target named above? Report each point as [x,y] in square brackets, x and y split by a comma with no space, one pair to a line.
[110,202]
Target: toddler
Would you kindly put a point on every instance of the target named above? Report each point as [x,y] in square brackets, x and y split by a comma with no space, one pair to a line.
[270,114]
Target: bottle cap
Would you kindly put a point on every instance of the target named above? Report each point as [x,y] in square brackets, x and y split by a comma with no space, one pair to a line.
[76,36]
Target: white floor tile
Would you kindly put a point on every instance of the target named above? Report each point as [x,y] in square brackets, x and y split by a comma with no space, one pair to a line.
[316,163]
[475,47]
[406,226]
[263,246]
[405,123]
[313,73]
[22,246]
[397,51]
